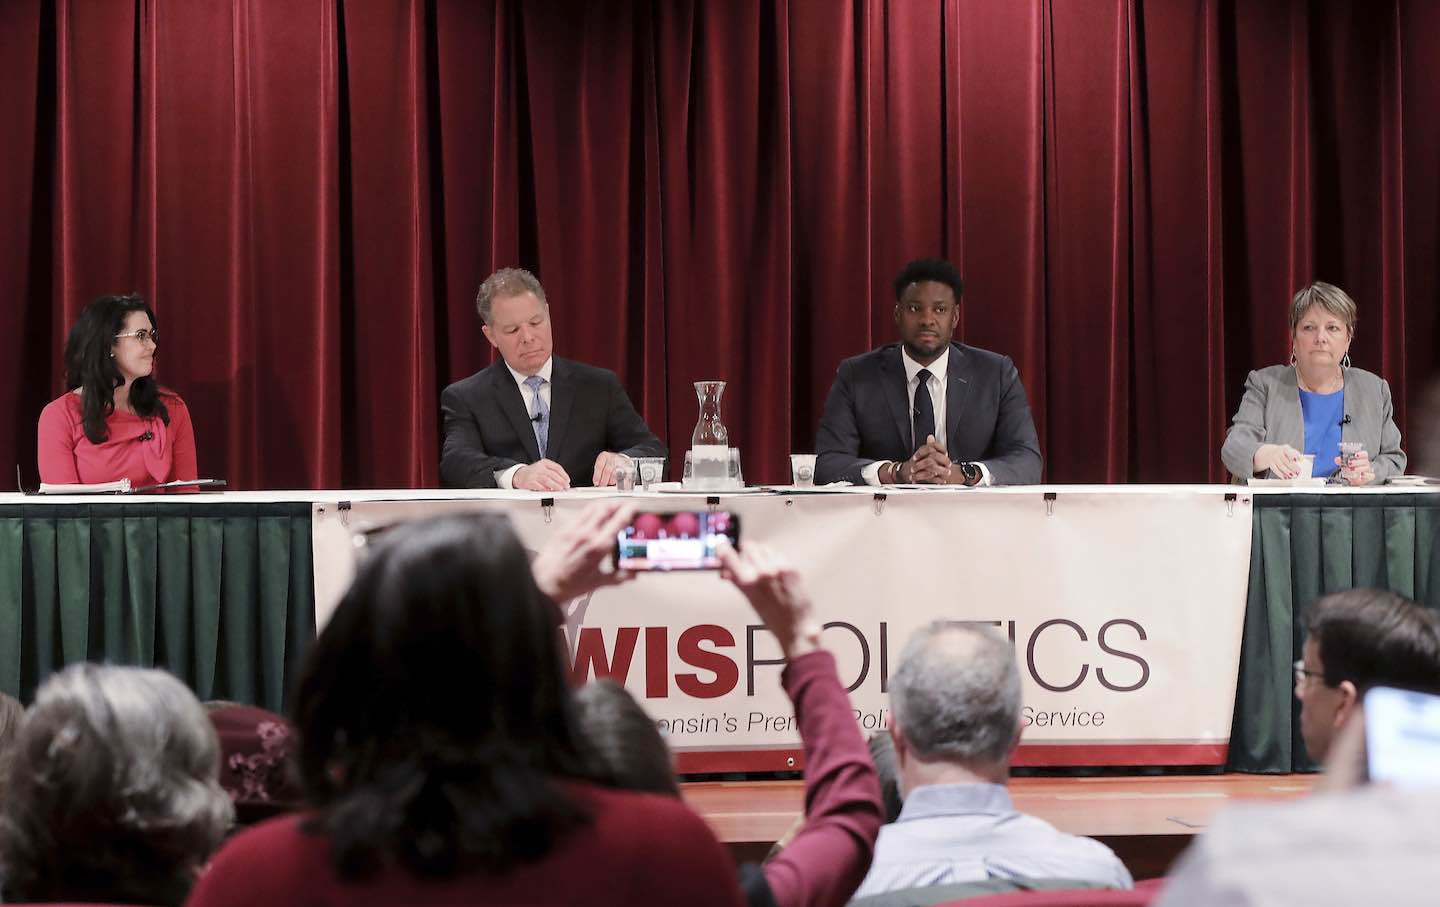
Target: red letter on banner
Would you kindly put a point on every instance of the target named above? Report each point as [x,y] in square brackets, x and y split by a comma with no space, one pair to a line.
[727,673]
[590,658]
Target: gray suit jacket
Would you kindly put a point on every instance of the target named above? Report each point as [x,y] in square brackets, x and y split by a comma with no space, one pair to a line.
[1270,414]
[987,419]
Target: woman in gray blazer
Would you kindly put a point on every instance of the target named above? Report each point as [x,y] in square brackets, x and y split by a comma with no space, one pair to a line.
[1315,403]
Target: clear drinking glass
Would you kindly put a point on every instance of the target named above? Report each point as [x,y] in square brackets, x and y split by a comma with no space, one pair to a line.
[625,473]
[733,473]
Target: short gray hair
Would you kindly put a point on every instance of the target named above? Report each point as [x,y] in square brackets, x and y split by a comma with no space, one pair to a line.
[1328,297]
[113,795]
[504,283]
[956,694]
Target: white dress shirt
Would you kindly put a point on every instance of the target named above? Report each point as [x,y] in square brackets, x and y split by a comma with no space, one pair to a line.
[505,477]
[936,384]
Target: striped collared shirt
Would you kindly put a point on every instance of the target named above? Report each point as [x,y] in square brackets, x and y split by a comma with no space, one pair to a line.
[949,834]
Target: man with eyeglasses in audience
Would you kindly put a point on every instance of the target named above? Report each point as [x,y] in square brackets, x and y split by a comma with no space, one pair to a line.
[1352,842]
[1355,640]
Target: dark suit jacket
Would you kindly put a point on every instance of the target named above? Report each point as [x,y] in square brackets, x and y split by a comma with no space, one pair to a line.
[987,419]
[487,428]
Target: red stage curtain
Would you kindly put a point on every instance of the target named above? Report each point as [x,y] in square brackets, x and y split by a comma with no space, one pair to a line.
[311,190]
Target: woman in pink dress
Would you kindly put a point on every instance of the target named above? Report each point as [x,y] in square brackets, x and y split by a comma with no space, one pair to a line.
[115,422]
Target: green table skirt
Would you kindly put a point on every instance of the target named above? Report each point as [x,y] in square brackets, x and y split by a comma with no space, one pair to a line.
[220,595]
[1306,546]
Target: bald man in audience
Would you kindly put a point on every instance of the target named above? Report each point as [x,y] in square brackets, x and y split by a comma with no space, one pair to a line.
[955,707]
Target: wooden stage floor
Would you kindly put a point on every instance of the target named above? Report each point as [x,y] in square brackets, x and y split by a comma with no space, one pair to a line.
[1147,820]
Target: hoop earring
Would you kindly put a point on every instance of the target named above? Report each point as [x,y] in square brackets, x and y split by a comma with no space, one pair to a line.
[1345,361]
[1292,355]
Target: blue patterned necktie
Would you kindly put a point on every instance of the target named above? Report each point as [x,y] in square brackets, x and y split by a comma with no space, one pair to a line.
[539,412]
[924,412]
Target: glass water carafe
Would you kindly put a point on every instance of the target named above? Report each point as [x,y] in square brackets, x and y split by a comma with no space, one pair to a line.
[710,443]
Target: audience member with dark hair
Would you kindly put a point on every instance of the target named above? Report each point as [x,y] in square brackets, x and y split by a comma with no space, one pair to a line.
[882,753]
[631,753]
[440,757]
[1355,640]
[1351,842]
[827,857]
[955,723]
[114,421]
[112,797]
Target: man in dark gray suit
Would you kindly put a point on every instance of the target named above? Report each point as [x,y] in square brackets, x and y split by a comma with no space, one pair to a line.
[927,410]
[531,420]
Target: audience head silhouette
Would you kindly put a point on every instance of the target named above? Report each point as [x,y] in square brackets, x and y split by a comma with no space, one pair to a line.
[433,712]
[112,796]
[1355,640]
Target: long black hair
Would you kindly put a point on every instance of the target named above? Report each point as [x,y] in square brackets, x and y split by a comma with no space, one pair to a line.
[90,366]
[434,719]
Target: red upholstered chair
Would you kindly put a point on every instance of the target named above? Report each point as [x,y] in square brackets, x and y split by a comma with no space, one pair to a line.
[1143,894]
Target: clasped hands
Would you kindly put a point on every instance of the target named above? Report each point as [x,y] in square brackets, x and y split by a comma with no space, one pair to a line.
[930,465]
[547,475]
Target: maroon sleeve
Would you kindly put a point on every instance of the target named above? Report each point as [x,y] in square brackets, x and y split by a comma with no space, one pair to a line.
[831,853]
[55,446]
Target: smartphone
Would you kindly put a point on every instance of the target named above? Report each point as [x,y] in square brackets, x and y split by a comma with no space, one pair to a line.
[1402,737]
[682,540]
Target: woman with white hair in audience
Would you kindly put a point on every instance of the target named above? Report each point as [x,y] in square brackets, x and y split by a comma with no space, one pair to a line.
[112,795]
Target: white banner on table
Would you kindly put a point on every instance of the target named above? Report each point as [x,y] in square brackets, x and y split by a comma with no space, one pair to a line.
[1125,609]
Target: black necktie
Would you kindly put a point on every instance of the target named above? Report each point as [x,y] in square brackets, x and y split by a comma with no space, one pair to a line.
[923,414]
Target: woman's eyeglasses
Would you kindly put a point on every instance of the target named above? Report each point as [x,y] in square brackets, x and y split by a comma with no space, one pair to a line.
[142,335]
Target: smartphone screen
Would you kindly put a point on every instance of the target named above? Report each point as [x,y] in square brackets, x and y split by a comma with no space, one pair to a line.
[685,540]
[1402,737]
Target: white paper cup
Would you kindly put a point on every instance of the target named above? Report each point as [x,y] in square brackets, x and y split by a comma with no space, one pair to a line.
[1307,466]
[652,471]
[802,470]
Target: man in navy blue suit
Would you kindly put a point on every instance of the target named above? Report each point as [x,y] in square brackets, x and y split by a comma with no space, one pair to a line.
[532,420]
[927,410]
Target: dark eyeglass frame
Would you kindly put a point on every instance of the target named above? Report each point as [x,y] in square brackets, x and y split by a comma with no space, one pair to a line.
[1303,674]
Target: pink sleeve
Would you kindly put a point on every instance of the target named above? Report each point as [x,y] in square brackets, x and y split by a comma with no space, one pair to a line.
[831,853]
[183,465]
[55,446]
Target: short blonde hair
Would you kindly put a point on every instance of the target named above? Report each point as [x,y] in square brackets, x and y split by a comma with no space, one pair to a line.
[504,283]
[1328,297]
